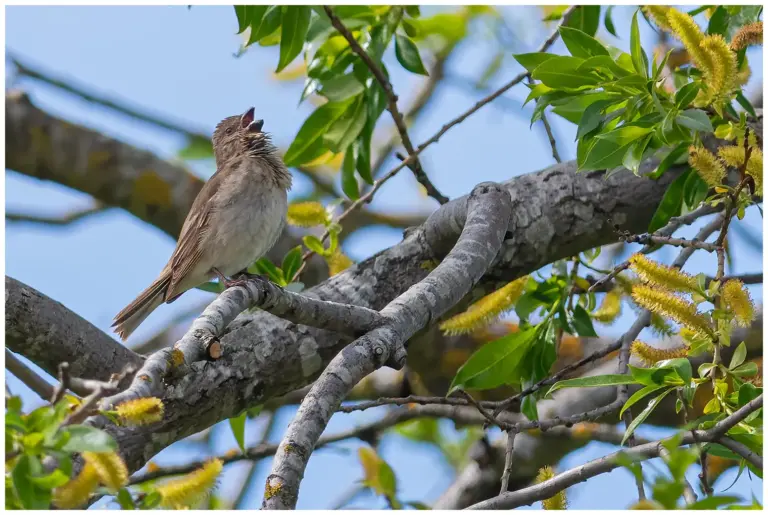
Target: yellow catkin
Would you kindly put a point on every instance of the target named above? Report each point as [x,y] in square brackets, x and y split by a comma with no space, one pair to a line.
[109,467]
[141,411]
[485,310]
[688,32]
[732,155]
[737,299]
[668,304]
[78,490]
[192,488]
[306,214]
[755,169]
[610,307]
[650,355]
[661,275]
[658,13]
[706,165]
[751,34]
[557,501]
[338,262]
[724,66]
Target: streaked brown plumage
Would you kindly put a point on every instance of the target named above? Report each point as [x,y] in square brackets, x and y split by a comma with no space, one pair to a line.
[235,219]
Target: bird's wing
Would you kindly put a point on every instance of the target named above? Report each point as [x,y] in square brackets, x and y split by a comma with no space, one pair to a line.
[188,249]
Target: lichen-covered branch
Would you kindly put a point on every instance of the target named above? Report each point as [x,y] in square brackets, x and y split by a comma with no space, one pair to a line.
[205,330]
[486,219]
[47,333]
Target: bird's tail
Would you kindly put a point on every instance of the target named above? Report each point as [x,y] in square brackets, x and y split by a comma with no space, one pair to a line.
[134,314]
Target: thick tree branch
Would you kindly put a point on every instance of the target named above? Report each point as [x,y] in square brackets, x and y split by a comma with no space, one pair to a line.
[487,215]
[47,333]
[207,328]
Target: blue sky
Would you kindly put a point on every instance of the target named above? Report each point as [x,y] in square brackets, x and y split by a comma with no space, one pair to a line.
[179,63]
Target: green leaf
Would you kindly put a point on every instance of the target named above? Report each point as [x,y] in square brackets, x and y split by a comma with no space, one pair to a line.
[264,266]
[746,104]
[125,499]
[264,20]
[580,44]
[669,160]
[718,22]
[694,192]
[591,117]
[341,88]
[636,49]
[593,382]
[642,392]
[671,203]
[53,480]
[314,244]
[713,501]
[682,366]
[582,323]
[634,156]
[243,17]
[31,496]
[695,119]
[531,61]
[308,143]
[238,429]
[294,29]
[739,355]
[746,370]
[645,413]
[346,128]
[407,54]
[495,363]
[211,287]
[348,181]
[686,94]
[609,21]
[420,430]
[291,262]
[605,66]
[528,407]
[87,438]
[610,147]
[561,72]
[586,18]
[152,500]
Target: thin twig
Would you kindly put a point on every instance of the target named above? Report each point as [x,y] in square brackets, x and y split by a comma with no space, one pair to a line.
[436,137]
[65,219]
[674,224]
[650,239]
[546,489]
[508,454]
[28,376]
[418,171]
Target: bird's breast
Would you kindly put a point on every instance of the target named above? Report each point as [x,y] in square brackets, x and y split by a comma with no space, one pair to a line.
[247,224]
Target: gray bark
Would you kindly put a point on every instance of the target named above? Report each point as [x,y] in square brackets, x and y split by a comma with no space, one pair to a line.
[48,333]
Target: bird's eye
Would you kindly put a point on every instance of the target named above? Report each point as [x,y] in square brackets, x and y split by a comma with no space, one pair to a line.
[229,131]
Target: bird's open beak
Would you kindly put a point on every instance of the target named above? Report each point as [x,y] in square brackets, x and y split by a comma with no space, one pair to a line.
[247,118]
[247,121]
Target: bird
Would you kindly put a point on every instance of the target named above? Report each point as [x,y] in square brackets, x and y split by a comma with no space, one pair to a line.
[235,219]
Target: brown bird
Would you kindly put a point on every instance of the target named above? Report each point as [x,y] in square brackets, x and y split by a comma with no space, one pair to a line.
[235,219]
